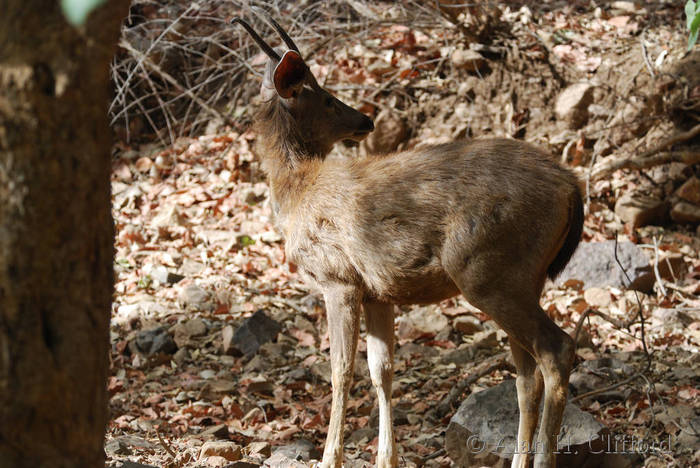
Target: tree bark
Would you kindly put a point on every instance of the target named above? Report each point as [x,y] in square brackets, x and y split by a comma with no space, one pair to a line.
[56,233]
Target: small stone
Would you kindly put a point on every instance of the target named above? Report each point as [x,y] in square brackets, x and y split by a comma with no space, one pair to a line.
[143,164]
[470,60]
[300,449]
[485,340]
[192,267]
[116,447]
[255,194]
[467,324]
[215,461]
[154,341]
[255,331]
[364,434]
[134,441]
[690,191]
[168,216]
[185,331]
[460,356]
[163,276]
[193,296]
[227,339]
[219,431]
[640,210]
[262,448]
[628,7]
[422,321]
[181,356]
[572,105]
[684,212]
[223,386]
[228,450]
[598,297]
[279,460]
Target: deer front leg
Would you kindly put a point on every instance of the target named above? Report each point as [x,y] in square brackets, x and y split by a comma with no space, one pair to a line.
[379,319]
[342,314]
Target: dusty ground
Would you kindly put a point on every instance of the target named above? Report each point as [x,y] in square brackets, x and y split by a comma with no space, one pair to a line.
[198,208]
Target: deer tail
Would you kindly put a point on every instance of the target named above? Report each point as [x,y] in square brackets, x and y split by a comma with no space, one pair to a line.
[573,236]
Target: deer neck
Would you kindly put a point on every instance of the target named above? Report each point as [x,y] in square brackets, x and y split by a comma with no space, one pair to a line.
[290,162]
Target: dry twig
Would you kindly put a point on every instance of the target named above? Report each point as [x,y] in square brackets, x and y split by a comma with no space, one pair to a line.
[650,158]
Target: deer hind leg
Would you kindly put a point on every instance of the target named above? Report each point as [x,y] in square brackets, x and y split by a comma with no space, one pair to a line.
[555,358]
[529,385]
[512,300]
[343,316]
[379,319]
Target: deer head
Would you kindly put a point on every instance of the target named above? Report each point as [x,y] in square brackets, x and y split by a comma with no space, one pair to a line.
[306,112]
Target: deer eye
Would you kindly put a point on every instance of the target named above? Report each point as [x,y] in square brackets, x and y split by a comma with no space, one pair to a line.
[329,101]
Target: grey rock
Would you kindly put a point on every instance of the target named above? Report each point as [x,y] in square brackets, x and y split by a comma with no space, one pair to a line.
[684,212]
[193,296]
[254,332]
[184,331]
[300,449]
[134,441]
[222,386]
[116,447]
[598,373]
[192,267]
[594,264]
[470,60]
[640,210]
[219,431]
[181,356]
[227,340]
[490,418]
[572,104]
[364,434]
[410,350]
[460,356]
[467,324]
[221,448]
[163,276]
[690,191]
[154,341]
[279,460]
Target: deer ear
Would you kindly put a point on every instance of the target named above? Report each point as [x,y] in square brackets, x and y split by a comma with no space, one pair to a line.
[289,74]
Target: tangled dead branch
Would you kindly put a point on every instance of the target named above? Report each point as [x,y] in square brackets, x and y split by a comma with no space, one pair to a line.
[181,66]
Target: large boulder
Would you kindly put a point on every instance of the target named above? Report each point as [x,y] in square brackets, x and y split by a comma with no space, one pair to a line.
[594,264]
[484,429]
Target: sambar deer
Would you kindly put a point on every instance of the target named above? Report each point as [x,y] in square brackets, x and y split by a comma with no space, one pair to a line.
[490,219]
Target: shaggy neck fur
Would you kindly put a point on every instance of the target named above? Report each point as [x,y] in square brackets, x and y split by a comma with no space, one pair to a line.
[287,158]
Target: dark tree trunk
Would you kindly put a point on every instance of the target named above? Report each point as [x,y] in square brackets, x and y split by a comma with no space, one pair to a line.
[55,233]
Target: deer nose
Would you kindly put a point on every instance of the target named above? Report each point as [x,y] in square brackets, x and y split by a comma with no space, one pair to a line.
[367,125]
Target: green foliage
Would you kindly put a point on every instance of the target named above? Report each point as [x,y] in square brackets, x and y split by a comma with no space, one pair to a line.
[76,11]
[245,240]
[692,13]
[145,282]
